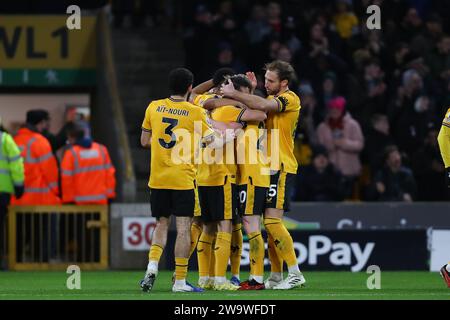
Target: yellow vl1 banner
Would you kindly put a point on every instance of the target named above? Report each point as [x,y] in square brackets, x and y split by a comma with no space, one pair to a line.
[39,42]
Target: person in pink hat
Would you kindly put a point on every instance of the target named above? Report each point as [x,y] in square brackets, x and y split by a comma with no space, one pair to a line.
[344,140]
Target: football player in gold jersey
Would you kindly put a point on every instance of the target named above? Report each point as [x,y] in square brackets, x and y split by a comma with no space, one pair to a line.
[203,237]
[218,192]
[444,146]
[254,180]
[205,95]
[172,175]
[283,107]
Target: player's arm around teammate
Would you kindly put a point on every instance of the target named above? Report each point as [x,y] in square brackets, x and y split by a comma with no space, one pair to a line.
[283,107]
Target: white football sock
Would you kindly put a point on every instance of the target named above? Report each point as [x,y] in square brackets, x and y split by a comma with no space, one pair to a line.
[259,279]
[152,266]
[220,280]
[180,283]
[277,276]
[294,269]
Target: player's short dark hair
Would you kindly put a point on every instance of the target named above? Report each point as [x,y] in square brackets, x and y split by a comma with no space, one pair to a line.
[284,70]
[220,75]
[239,81]
[179,81]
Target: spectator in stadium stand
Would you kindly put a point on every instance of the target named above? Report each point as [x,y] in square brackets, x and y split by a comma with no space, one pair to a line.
[396,64]
[411,25]
[226,59]
[226,27]
[319,181]
[284,54]
[444,100]
[343,138]
[317,58]
[376,45]
[393,182]
[289,35]
[439,59]
[413,124]
[427,39]
[135,13]
[373,93]
[377,139]
[309,113]
[257,30]
[11,181]
[87,174]
[274,46]
[41,169]
[328,89]
[200,41]
[379,72]
[274,17]
[429,170]
[305,133]
[409,112]
[345,20]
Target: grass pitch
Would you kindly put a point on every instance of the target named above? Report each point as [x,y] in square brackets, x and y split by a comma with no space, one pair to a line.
[123,285]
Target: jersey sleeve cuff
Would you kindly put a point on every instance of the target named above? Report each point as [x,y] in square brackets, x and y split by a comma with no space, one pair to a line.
[240,115]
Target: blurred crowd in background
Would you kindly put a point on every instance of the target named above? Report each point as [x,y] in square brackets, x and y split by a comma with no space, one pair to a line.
[372,100]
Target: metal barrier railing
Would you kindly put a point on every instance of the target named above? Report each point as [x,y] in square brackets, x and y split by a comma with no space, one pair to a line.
[52,237]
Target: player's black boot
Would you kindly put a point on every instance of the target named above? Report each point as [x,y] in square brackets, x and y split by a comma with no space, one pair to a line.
[147,283]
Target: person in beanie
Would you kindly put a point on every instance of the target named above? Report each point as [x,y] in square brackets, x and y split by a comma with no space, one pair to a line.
[87,174]
[342,137]
[41,169]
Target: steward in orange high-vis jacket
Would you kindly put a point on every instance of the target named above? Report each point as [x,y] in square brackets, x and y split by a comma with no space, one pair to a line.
[41,168]
[87,174]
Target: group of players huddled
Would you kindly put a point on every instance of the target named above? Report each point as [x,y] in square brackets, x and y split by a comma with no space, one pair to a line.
[246,149]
